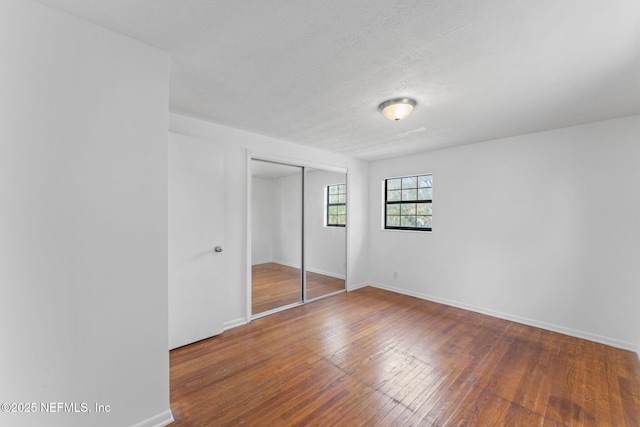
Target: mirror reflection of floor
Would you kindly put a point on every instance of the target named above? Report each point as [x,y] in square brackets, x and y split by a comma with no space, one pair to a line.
[276,285]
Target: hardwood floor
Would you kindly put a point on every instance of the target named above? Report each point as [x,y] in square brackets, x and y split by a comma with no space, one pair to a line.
[319,285]
[272,286]
[276,285]
[372,357]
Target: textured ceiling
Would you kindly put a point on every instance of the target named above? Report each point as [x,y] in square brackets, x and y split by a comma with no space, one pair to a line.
[314,72]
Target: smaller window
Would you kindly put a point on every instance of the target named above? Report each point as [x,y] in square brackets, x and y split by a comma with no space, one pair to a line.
[407,203]
[336,205]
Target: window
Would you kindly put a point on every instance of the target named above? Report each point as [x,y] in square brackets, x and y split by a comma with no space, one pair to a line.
[336,205]
[407,203]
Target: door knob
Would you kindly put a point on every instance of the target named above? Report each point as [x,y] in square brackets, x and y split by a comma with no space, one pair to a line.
[218,249]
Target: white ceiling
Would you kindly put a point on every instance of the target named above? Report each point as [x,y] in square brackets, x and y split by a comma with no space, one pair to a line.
[314,72]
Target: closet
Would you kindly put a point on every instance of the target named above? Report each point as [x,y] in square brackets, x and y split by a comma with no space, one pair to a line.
[297,222]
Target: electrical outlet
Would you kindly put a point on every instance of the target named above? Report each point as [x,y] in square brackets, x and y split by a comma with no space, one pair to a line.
[395,274]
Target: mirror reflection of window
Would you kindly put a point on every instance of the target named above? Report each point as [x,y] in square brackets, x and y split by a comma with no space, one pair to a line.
[336,205]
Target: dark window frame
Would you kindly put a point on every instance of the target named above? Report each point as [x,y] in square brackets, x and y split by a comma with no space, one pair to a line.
[399,203]
[328,204]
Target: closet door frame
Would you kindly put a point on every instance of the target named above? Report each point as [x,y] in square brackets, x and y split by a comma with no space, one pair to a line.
[283,160]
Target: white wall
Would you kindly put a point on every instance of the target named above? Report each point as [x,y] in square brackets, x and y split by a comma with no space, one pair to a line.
[83,220]
[287,216]
[237,143]
[325,246]
[262,220]
[540,228]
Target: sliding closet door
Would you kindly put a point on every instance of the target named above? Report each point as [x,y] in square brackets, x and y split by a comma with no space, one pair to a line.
[276,236]
[325,210]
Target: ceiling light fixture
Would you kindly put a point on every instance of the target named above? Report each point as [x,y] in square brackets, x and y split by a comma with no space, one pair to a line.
[397,108]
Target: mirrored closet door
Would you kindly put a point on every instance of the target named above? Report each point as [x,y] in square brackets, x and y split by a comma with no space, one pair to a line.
[298,235]
[325,210]
[276,235]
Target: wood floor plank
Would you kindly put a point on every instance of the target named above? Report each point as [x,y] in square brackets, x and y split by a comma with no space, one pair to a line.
[627,384]
[372,357]
[275,285]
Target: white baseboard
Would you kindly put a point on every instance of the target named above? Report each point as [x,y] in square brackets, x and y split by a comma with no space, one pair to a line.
[311,269]
[286,264]
[358,286]
[160,420]
[234,323]
[530,322]
[325,273]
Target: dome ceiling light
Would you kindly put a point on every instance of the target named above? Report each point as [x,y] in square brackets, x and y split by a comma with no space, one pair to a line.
[397,108]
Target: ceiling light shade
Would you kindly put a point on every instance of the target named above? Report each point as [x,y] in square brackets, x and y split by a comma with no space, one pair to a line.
[398,108]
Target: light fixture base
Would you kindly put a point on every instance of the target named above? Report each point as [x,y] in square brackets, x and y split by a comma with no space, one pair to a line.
[397,108]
